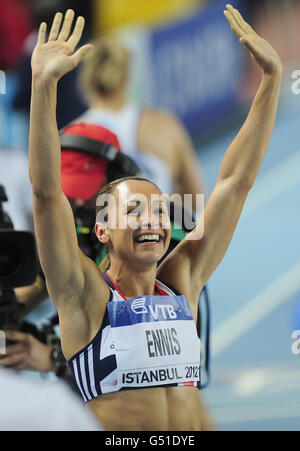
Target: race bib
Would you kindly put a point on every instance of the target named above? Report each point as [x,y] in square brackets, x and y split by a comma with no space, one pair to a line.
[155,341]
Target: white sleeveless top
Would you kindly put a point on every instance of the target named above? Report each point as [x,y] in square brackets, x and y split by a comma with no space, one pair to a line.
[124,123]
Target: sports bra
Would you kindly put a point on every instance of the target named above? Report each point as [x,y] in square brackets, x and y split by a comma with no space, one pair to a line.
[145,341]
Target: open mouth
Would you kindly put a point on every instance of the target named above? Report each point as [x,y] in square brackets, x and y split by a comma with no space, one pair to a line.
[148,238]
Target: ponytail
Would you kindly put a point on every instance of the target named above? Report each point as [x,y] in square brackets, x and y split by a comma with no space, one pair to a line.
[105,263]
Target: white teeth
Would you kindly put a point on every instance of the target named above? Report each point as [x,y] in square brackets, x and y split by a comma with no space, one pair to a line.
[148,237]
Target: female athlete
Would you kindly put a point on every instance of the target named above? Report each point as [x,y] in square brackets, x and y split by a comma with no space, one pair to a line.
[130,333]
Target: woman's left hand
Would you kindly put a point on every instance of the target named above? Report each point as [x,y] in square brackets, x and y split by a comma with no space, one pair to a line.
[260,49]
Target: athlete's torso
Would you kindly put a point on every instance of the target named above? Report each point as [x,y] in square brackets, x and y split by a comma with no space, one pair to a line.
[150,409]
[153,408]
[147,341]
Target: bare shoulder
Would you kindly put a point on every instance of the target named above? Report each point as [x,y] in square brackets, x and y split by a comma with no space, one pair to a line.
[173,137]
[161,133]
[161,119]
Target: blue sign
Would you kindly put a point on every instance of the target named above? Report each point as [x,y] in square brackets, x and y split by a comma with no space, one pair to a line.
[197,67]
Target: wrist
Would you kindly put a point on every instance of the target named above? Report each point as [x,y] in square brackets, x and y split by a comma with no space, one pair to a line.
[44,80]
[274,75]
[271,83]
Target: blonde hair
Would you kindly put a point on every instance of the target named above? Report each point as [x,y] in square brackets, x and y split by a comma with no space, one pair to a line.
[105,263]
[104,68]
[109,189]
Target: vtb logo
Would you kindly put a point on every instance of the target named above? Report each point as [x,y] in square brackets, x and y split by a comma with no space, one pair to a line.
[167,311]
[138,306]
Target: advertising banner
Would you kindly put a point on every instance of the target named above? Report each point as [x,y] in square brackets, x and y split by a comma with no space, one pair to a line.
[197,67]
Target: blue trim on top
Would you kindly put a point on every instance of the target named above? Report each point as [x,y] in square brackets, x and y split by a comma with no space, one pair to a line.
[107,366]
[87,374]
[108,281]
[96,360]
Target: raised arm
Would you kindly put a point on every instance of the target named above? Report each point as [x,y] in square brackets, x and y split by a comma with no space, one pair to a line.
[202,251]
[62,261]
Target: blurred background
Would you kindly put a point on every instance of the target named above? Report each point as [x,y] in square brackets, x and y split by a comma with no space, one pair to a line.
[184,58]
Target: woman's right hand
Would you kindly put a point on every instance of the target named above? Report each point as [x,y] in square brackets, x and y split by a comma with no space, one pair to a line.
[55,58]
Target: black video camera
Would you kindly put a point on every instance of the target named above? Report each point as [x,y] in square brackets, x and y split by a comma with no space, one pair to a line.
[18,268]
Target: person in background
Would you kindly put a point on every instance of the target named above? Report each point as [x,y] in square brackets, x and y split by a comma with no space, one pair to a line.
[154,138]
[31,405]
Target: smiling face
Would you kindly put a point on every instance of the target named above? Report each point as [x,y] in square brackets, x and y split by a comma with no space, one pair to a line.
[138,228]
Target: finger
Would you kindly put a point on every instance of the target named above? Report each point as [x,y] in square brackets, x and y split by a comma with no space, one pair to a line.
[20,366]
[65,30]
[13,360]
[243,23]
[13,349]
[42,33]
[15,336]
[55,27]
[237,18]
[80,53]
[237,30]
[77,33]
